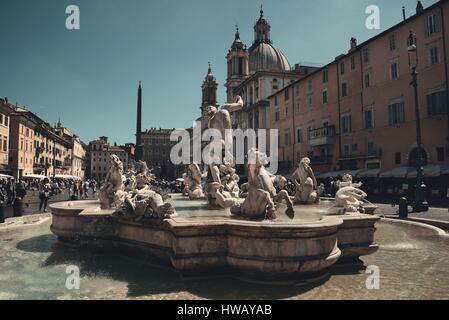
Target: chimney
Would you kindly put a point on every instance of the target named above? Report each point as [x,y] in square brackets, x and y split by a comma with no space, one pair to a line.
[353,44]
[419,7]
[6,100]
[403,13]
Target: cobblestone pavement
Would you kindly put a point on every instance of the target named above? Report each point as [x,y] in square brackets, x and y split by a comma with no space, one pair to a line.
[31,203]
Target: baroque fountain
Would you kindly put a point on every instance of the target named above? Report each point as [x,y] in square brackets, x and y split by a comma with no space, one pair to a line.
[253,231]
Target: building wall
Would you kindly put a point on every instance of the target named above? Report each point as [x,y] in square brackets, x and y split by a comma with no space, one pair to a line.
[21,152]
[385,144]
[4,140]
[78,158]
[100,162]
[156,152]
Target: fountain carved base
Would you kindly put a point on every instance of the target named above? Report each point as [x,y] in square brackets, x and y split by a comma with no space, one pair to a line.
[257,250]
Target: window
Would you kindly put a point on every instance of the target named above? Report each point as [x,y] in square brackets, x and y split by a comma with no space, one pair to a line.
[436,103]
[396,113]
[368,119]
[324,96]
[353,63]
[310,128]
[299,135]
[275,84]
[287,137]
[394,71]
[371,148]
[286,112]
[345,123]
[440,154]
[397,158]
[275,100]
[355,147]
[344,89]
[325,76]
[367,80]
[276,116]
[432,24]
[346,150]
[297,89]
[342,68]
[392,42]
[309,84]
[365,55]
[434,55]
[309,102]
[286,94]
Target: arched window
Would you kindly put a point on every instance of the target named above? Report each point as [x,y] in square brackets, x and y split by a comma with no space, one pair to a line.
[413,157]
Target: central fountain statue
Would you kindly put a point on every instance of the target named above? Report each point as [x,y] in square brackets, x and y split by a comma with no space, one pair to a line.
[262,196]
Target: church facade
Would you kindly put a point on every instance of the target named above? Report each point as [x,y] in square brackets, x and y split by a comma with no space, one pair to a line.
[254,74]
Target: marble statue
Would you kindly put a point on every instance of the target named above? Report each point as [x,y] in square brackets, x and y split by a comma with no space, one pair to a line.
[262,196]
[193,179]
[113,183]
[307,190]
[138,200]
[349,196]
[222,186]
[230,106]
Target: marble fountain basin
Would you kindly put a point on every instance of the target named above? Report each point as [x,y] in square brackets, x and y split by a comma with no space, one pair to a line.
[203,241]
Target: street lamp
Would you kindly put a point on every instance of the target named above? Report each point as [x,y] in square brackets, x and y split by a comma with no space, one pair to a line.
[420,204]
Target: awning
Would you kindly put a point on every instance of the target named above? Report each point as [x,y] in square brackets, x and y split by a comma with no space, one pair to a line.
[34,176]
[430,170]
[66,177]
[369,173]
[400,172]
[5,176]
[332,174]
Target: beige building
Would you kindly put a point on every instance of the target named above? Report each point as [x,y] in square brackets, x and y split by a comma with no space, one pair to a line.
[99,154]
[5,111]
[21,149]
[77,158]
[358,111]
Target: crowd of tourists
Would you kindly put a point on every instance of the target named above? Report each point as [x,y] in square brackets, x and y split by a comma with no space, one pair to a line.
[13,191]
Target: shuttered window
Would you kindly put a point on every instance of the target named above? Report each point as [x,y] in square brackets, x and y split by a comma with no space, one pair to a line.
[436,103]
[396,113]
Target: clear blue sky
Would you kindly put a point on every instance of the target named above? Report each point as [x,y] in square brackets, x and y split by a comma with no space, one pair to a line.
[89,77]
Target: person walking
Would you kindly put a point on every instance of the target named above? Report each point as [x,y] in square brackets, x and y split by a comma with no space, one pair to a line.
[44,196]
[18,199]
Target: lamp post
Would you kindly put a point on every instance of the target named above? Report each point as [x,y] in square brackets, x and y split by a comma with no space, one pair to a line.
[420,204]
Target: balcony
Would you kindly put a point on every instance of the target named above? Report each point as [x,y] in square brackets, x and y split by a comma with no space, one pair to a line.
[322,136]
[320,160]
[370,154]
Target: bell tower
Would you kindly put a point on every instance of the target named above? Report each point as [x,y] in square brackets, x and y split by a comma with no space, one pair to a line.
[209,88]
[237,59]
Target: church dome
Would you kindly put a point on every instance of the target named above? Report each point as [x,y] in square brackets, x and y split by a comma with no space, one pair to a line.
[265,56]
